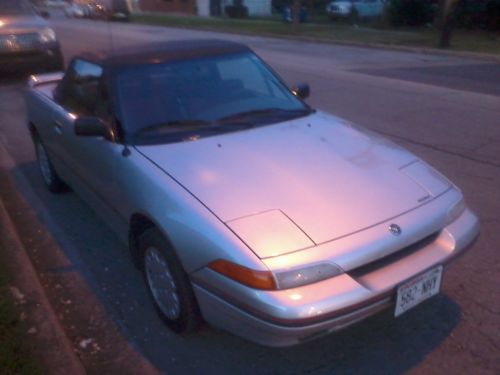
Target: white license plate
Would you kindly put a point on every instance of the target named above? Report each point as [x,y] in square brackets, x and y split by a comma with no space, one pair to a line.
[418,289]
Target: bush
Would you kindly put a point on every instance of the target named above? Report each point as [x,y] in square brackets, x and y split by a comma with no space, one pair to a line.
[236,11]
[478,14]
[493,18]
[280,5]
[411,12]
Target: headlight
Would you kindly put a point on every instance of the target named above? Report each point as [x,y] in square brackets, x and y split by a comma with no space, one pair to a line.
[276,280]
[307,275]
[47,35]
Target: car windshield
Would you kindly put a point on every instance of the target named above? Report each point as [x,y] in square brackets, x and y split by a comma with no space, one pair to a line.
[14,7]
[199,97]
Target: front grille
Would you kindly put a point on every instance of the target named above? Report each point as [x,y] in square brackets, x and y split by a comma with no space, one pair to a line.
[394,257]
[19,42]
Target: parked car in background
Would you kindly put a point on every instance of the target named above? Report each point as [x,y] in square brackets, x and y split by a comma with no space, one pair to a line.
[240,203]
[119,10]
[114,10]
[97,11]
[88,9]
[110,10]
[355,8]
[55,3]
[26,38]
[74,11]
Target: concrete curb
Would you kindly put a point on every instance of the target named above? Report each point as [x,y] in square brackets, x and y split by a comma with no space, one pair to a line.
[56,351]
[306,39]
[61,350]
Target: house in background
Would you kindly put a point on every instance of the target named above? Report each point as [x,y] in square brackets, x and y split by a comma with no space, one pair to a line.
[259,7]
[176,6]
[204,7]
[255,7]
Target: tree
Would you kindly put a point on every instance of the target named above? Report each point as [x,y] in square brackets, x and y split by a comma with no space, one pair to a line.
[447,10]
[296,14]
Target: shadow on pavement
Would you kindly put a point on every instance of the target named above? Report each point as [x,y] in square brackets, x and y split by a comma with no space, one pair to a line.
[13,77]
[380,344]
[10,76]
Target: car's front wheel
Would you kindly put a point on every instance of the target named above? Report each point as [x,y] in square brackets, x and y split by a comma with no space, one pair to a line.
[168,283]
[49,174]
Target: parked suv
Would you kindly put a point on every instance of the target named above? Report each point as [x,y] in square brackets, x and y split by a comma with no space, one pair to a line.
[26,38]
[74,11]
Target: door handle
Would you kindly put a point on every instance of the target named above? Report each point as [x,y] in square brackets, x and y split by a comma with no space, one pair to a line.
[58,127]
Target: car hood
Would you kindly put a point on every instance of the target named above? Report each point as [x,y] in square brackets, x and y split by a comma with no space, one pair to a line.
[299,183]
[12,24]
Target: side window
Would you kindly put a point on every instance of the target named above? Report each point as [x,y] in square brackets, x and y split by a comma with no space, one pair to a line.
[82,91]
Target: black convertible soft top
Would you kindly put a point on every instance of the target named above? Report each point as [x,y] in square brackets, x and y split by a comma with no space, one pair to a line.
[163,52]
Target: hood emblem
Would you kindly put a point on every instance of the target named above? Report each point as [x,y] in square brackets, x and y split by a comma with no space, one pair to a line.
[395,229]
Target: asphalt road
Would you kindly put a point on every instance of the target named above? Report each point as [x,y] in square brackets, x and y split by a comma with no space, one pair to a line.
[446,110]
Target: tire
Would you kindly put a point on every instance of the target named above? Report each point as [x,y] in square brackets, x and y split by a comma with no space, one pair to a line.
[167,283]
[49,174]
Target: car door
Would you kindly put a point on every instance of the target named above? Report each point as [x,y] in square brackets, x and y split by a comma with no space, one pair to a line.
[90,160]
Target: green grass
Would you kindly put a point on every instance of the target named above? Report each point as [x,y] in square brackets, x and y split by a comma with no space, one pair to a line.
[473,41]
[15,357]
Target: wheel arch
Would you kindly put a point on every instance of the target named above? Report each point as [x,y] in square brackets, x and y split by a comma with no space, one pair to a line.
[138,224]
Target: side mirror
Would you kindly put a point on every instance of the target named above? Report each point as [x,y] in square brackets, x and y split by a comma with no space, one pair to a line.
[301,90]
[91,127]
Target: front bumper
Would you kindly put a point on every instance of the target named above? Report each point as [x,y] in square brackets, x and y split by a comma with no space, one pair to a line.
[277,318]
[42,57]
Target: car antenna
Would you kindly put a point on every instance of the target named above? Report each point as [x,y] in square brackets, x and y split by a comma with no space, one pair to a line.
[110,33]
[126,151]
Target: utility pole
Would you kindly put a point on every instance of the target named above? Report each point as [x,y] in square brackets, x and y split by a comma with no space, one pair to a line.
[296,14]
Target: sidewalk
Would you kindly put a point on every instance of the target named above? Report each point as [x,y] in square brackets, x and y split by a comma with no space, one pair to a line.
[52,348]
[72,331]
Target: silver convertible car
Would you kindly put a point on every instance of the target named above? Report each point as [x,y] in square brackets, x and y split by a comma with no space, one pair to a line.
[242,205]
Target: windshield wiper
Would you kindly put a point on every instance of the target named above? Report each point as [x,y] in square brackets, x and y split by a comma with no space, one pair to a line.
[174,124]
[263,112]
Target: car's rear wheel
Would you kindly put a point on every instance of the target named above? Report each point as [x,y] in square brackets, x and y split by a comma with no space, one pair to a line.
[168,283]
[49,174]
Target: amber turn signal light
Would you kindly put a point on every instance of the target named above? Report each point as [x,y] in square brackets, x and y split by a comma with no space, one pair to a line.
[246,276]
